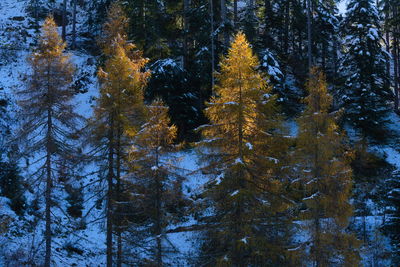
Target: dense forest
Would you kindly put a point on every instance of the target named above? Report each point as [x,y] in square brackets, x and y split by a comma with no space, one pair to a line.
[199,133]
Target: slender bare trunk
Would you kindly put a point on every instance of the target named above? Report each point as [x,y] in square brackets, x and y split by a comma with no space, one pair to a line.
[110,177]
[212,43]
[309,34]
[235,14]
[74,24]
[186,6]
[118,191]
[224,22]
[286,34]
[335,57]
[158,214]
[238,259]
[317,241]
[36,14]
[48,188]
[395,54]
[64,20]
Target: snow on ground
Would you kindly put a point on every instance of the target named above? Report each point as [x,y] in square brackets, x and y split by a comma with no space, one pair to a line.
[71,247]
[16,39]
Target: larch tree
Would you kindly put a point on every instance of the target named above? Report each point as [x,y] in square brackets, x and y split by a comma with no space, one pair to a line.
[155,186]
[47,114]
[326,178]
[119,107]
[244,150]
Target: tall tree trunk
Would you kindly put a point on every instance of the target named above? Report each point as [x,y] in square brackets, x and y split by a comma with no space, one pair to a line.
[36,14]
[235,14]
[186,7]
[267,23]
[118,191]
[158,215]
[238,259]
[335,57]
[74,25]
[309,32]
[286,34]
[49,148]
[395,55]
[64,20]
[317,241]
[110,177]
[212,43]
[224,22]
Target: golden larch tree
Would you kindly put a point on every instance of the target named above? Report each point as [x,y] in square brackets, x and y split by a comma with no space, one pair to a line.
[326,178]
[244,147]
[119,107]
[47,113]
[156,185]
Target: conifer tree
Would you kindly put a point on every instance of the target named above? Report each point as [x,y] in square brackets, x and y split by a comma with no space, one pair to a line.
[120,107]
[155,185]
[47,114]
[365,94]
[245,151]
[169,81]
[4,124]
[391,226]
[326,177]
[326,27]
[390,10]
[11,186]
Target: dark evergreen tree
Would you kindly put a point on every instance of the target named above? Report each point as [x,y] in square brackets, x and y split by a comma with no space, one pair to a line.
[283,85]
[171,83]
[371,172]
[11,186]
[390,10]
[326,28]
[4,123]
[365,94]
[392,225]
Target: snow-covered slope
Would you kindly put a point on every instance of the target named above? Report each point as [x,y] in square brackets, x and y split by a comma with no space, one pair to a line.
[23,243]
[81,242]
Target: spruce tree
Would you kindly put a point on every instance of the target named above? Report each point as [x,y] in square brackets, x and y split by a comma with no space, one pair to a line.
[11,186]
[326,178]
[47,114]
[390,11]
[120,107]
[4,124]
[326,27]
[244,150]
[170,82]
[365,94]
[391,226]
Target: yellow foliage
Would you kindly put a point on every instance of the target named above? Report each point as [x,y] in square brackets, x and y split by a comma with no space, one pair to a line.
[324,163]
[49,59]
[233,109]
[114,30]
[245,147]
[123,78]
